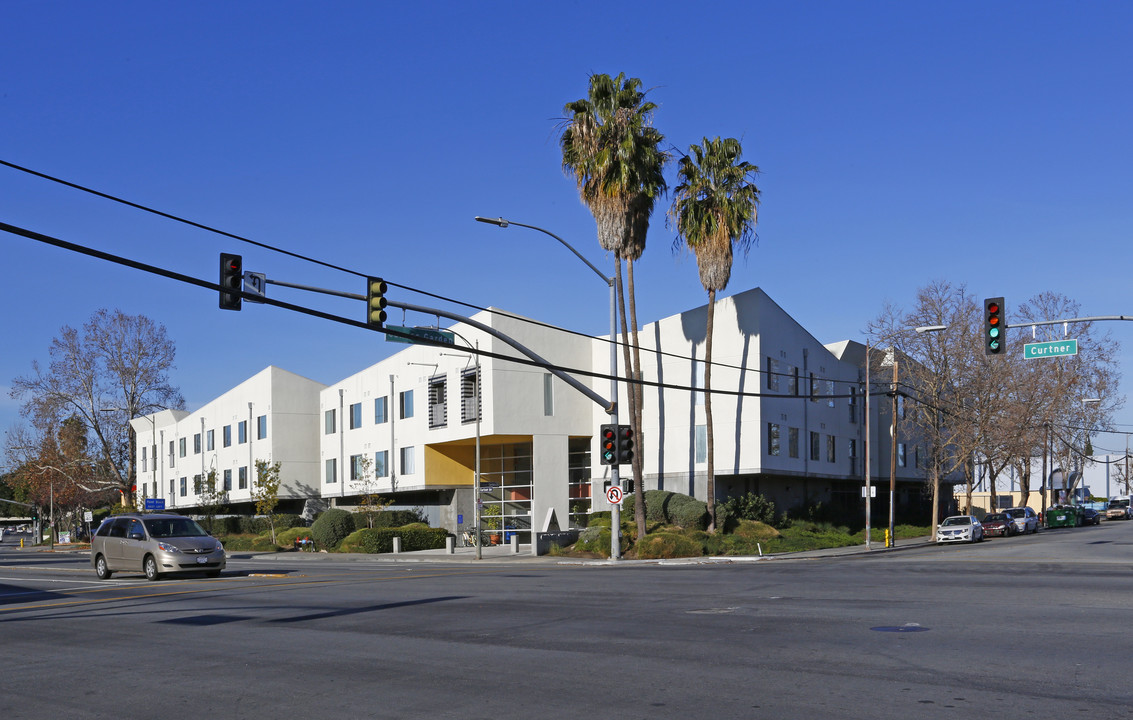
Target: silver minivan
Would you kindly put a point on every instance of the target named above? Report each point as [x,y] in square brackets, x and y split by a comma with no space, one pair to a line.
[156,545]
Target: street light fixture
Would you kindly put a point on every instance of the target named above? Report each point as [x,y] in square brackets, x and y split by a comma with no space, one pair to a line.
[615,539]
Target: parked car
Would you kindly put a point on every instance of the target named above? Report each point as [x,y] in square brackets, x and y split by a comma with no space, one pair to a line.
[959,528]
[1117,510]
[1091,516]
[1026,519]
[998,525]
[155,545]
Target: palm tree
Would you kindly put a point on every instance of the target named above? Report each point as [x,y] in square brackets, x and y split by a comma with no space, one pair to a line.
[714,209]
[615,157]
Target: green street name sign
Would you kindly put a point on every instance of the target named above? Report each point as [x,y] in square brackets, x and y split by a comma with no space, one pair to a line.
[438,336]
[1054,348]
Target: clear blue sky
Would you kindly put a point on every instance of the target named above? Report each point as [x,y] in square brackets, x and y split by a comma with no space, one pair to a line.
[987,143]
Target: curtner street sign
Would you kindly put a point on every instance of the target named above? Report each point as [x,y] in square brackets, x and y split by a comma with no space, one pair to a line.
[1054,348]
[437,336]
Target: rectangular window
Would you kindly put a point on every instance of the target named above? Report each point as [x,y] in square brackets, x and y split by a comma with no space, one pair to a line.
[831,442]
[242,432]
[853,404]
[548,395]
[181,444]
[171,454]
[184,487]
[406,403]
[356,467]
[381,412]
[900,454]
[197,444]
[172,483]
[792,380]
[793,442]
[815,446]
[210,440]
[332,471]
[143,458]
[242,477]
[196,484]
[901,406]
[261,427]
[813,389]
[852,448]
[227,433]
[772,374]
[438,405]
[701,453]
[469,396]
[355,416]
[228,480]
[830,393]
[407,461]
[381,464]
[772,438]
[329,423]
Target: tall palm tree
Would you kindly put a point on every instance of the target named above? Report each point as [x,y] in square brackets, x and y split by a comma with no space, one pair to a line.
[615,157]
[714,209]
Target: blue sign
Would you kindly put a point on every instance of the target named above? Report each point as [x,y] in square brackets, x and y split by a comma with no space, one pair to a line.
[155,503]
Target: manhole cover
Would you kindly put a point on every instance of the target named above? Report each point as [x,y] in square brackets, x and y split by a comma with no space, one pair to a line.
[907,627]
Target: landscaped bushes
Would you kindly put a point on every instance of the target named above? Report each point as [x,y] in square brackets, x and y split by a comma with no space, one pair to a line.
[380,540]
[670,508]
[331,527]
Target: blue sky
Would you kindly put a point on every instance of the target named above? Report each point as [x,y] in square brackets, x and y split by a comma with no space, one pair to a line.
[899,142]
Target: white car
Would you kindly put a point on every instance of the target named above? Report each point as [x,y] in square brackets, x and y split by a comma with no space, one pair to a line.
[1026,520]
[959,528]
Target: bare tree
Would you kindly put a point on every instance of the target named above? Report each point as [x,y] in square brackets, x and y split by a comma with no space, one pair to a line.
[116,369]
[265,492]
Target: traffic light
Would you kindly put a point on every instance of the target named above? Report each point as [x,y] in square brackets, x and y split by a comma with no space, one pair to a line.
[995,327]
[608,438]
[625,445]
[231,281]
[375,302]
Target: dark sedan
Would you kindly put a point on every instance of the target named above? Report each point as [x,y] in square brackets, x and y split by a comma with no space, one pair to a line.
[998,525]
[1091,517]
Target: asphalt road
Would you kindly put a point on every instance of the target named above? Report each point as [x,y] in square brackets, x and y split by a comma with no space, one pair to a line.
[1036,626]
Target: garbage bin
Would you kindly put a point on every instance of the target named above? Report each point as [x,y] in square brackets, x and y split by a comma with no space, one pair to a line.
[1061,516]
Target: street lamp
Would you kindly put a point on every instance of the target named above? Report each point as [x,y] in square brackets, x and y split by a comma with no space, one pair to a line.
[615,535]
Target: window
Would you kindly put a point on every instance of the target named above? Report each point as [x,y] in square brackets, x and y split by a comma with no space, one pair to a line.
[772,374]
[815,446]
[852,449]
[242,477]
[184,487]
[332,471]
[143,458]
[355,416]
[830,448]
[548,395]
[900,454]
[381,464]
[853,404]
[469,396]
[181,443]
[356,469]
[227,436]
[197,444]
[793,442]
[701,440]
[438,407]
[830,393]
[329,423]
[406,403]
[227,480]
[242,432]
[261,427]
[772,438]
[210,440]
[196,484]
[792,380]
[813,389]
[171,453]
[171,487]
[901,406]
[407,461]
[381,412]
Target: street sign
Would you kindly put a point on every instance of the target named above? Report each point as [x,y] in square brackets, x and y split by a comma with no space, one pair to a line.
[155,503]
[255,284]
[1054,348]
[872,491]
[88,516]
[614,495]
[438,336]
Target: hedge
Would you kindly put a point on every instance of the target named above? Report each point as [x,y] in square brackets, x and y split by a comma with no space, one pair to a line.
[380,540]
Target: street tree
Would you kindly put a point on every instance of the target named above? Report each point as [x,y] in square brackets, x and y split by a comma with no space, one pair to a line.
[613,152]
[265,492]
[714,211]
[115,369]
[369,500]
[212,496]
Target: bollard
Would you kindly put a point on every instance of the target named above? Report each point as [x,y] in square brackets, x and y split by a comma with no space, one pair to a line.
[450,545]
[887,541]
[515,543]
[396,545]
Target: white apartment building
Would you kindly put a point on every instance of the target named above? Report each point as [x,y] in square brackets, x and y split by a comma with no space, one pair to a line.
[789,423]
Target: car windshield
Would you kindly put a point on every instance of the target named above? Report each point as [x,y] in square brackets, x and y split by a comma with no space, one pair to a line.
[174,527]
[1119,503]
[956,521]
[998,517]
[1017,513]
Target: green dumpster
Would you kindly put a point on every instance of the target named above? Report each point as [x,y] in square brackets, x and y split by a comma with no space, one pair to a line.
[1061,516]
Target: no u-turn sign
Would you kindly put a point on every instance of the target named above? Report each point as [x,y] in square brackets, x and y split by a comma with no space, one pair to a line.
[614,495]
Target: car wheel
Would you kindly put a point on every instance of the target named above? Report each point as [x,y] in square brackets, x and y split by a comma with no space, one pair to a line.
[101,569]
[150,567]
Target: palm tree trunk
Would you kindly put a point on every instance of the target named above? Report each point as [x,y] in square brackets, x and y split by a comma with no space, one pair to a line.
[709,442]
[638,402]
[631,396]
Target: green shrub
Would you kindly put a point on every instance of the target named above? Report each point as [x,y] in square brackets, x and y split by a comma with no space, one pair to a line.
[380,540]
[595,539]
[667,545]
[752,507]
[687,512]
[331,526]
